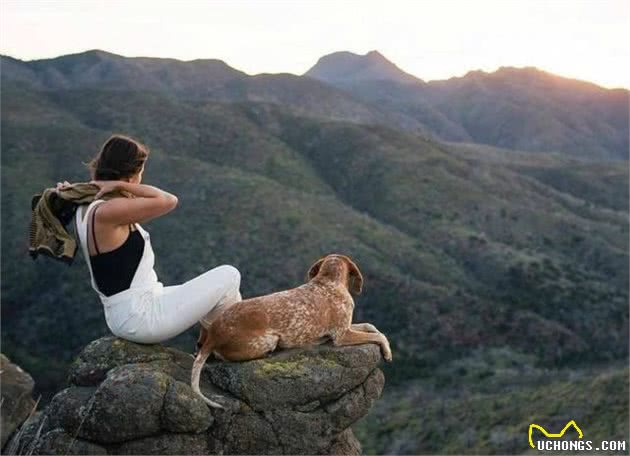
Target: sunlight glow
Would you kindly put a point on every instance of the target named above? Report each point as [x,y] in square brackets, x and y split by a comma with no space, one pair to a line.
[587,40]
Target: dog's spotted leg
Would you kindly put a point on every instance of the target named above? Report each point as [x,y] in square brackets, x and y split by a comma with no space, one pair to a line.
[366,327]
[245,346]
[353,337]
[203,334]
[198,363]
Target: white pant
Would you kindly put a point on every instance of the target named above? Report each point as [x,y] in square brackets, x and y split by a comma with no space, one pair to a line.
[166,311]
[148,312]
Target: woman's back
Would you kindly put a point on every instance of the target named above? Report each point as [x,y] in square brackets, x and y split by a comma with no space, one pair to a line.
[114,270]
[131,265]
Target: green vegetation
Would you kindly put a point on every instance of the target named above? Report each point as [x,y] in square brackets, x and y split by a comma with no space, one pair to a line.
[498,276]
[484,404]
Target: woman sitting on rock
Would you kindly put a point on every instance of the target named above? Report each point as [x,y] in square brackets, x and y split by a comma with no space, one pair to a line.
[117,249]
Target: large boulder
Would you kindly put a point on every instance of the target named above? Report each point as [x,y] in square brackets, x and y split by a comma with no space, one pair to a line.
[128,398]
[17,400]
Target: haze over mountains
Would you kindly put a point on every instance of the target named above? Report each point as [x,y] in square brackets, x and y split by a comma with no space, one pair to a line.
[492,270]
[525,109]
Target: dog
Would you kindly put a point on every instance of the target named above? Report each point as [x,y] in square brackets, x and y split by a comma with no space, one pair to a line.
[311,314]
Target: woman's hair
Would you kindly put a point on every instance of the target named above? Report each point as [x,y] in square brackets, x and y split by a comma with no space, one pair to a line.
[120,157]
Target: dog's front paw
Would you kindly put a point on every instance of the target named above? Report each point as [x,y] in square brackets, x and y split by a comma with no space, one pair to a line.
[387,352]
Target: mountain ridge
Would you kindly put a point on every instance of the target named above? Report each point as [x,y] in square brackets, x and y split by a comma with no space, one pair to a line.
[372,53]
[525,109]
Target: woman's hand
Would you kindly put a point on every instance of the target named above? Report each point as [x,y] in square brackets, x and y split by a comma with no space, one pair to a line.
[105,186]
[62,186]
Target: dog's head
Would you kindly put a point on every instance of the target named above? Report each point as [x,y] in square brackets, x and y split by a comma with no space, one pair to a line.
[338,267]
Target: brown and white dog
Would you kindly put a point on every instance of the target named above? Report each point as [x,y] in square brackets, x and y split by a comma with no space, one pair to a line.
[311,314]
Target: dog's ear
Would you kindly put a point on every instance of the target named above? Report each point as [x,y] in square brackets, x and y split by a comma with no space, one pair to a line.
[355,278]
[314,269]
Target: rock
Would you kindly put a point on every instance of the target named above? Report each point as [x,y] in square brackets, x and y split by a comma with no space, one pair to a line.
[281,379]
[128,398]
[23,441]
[58,441]
[126,405]
[184,411]
[346,443]
[98,357]
[164,444]
[17,401]
[68,408]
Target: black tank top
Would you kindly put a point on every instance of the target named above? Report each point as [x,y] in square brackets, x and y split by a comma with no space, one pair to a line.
[114,270]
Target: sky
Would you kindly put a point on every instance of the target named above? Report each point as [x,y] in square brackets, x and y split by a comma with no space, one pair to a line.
[587,39]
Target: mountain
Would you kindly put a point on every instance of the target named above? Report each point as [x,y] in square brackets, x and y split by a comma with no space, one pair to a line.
[461,246]
[202,79]
[346,66]
[530,109]
[516,108]
[104,70]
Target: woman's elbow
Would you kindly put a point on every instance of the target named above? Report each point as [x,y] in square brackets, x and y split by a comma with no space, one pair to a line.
[171,202]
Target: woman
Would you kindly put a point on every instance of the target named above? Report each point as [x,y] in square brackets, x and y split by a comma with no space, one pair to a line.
[138,307]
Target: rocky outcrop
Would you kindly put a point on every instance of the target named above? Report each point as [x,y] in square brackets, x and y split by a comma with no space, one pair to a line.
[17,401]
[128,398]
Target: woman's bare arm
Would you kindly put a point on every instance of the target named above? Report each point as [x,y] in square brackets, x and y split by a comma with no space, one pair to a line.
[150,202]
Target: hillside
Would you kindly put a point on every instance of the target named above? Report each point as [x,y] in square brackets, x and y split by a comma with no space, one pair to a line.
[485,404]
[461,247]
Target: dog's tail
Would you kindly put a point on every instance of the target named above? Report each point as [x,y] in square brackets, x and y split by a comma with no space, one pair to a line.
[198,364]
